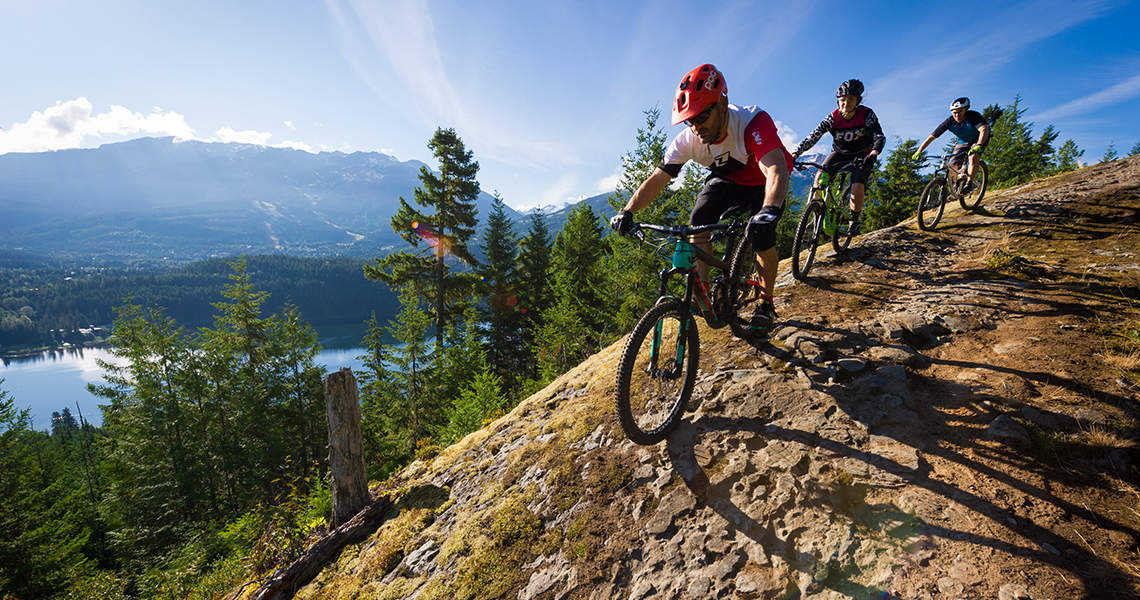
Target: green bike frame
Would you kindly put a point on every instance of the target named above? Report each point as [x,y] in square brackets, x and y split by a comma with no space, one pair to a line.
[683,263]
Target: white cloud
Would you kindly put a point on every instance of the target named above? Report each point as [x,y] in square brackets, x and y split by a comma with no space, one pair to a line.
[786,133]
[609,183]
[295,145]
[1121,91]
[289,124]
[73,123]
[247,136]
[257,138]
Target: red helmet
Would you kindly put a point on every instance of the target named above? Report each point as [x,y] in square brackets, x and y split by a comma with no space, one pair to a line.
[698,90]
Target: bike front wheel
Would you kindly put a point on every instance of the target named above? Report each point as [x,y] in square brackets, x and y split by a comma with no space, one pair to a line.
[843,233]
[981,180]
[656,374]
[807,239]
[931,204]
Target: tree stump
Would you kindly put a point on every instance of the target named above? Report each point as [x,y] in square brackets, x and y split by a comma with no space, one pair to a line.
[346,453]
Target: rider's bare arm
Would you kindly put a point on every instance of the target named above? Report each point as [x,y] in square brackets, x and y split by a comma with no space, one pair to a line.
[649,190]
[928,141]
[983,135]
[775,167]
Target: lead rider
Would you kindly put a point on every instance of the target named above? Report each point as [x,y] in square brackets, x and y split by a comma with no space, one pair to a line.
[748,166]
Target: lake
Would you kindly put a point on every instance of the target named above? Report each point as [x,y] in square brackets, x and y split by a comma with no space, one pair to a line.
[55,379]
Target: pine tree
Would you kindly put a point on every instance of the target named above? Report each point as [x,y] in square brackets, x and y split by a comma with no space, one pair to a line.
[1045,151]
[300,392]
[1110,153]
[153,480]
[445,232]
[460,361]
[482,399]
[1135,151]
[47,518]
[534,286]
[1067,158]
[564,339]
[575,325]
[1014,157]
[417,413]
[501,311]
[892,197]
[576,261]
[386,447]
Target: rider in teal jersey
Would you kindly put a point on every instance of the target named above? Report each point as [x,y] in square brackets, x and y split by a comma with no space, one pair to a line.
[972,132]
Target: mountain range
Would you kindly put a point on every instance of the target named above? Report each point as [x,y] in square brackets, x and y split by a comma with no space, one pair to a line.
[160,200]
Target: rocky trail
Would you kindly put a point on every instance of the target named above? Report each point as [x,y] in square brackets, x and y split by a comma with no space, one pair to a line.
[951,414]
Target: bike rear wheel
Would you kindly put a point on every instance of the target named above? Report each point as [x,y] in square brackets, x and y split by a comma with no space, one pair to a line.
[744,285]
[981,180]
[842,215]
[656,374]
[931,204]
[807,239]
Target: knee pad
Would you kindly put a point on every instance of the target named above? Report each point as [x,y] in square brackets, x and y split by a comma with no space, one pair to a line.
[762,228]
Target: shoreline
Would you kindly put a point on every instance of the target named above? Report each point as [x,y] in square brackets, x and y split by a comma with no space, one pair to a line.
[32,352]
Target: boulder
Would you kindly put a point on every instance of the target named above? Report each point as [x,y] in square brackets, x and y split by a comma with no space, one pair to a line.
[899,355]
[1004,429]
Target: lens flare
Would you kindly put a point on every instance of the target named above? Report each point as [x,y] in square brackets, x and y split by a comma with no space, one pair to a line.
[442,244]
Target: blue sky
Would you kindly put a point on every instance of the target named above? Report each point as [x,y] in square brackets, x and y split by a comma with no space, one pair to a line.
[548,95]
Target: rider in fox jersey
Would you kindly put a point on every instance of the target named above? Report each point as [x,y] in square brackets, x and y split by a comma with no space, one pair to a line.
[748,166]
[857,135]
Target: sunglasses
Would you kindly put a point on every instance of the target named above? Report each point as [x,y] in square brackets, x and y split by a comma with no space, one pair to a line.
[702,116]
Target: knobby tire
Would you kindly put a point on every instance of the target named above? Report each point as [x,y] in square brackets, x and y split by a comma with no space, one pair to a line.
[631,396]
[932,203]
[742,269]
[843,234]
[979,188]
[812,218]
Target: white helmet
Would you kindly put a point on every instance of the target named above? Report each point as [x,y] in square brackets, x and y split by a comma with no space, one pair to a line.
[962,102]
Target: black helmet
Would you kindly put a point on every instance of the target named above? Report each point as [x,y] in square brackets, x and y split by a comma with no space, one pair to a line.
[962,102]
[851,87]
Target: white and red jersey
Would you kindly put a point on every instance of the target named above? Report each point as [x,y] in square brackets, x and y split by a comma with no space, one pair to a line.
[751,134]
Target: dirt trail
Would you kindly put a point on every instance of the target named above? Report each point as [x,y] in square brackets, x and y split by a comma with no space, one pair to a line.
[941,415]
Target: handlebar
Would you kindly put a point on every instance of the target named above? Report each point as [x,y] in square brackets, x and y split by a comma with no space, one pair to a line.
[853,163]
[945,156]
[679,231]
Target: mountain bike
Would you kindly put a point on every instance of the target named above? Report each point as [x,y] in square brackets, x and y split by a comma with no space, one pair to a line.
[659,364]
[827,211]
[947,184]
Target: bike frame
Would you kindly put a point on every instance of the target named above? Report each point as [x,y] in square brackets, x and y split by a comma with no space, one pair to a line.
[947,171]
[696,289]
[823,187]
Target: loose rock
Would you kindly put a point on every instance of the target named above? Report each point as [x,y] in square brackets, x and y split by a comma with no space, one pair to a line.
[1006,430]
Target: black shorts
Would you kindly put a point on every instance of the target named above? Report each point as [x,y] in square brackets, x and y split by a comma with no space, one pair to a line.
[960,159]
[835,160]
[719,194]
